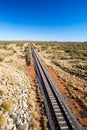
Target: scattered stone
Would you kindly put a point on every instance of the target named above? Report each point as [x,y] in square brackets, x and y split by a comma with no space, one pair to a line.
[14,128]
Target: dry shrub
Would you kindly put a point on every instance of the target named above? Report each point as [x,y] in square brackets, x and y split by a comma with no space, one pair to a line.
[2,120]
[36,115]
[1,92]
[1,59]
[6,105]
[35,125]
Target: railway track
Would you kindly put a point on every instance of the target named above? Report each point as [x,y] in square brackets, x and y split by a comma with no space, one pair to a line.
[60,116]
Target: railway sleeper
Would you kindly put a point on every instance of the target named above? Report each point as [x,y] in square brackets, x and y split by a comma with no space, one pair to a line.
[54,103]
[64,128]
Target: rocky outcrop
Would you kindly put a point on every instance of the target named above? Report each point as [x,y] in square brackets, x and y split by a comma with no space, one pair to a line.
[14,101]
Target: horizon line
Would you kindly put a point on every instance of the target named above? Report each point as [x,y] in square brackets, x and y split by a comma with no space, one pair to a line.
[41,41]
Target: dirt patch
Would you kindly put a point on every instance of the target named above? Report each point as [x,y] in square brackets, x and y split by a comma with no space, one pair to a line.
[59,82]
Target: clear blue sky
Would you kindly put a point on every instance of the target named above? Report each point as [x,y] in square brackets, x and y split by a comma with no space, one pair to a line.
[62,20]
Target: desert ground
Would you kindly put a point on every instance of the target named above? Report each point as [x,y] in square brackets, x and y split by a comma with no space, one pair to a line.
[21,102]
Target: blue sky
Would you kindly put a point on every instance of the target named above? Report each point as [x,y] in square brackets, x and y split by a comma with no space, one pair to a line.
[61,20]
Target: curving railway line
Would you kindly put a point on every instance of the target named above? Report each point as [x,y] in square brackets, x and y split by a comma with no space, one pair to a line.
[60,116]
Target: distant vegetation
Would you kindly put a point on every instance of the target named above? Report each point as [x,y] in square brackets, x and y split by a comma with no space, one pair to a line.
[6,43]
[72,50]
[27,55]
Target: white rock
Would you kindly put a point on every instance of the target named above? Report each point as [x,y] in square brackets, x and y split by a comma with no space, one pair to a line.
[9,120]
[18,121]
[23,126]
[14,128]
[25,105]
[13,116]
[10,126]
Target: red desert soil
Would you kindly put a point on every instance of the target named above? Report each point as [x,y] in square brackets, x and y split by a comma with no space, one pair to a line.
[71,102]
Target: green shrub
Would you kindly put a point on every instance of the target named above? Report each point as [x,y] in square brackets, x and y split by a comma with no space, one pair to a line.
[14,51]
[1,59]
[11,60]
